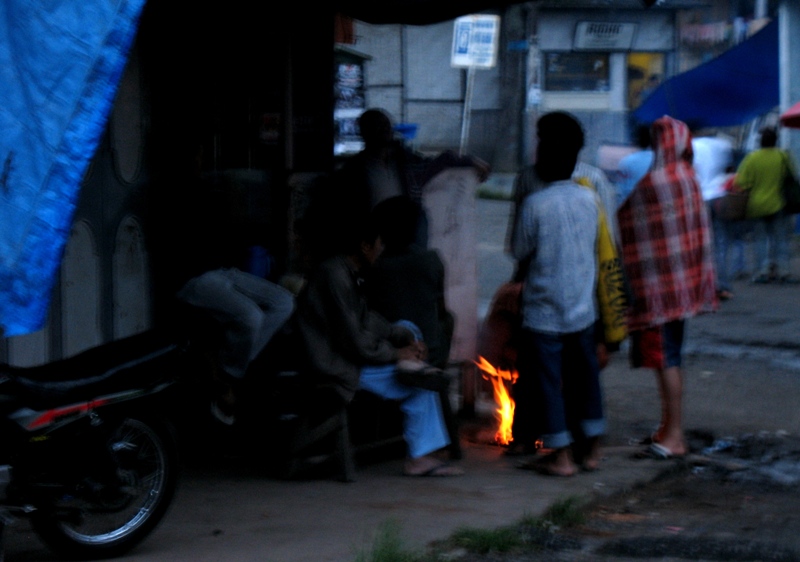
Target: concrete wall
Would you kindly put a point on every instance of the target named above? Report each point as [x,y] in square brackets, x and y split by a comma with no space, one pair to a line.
[789,14]
[409,75]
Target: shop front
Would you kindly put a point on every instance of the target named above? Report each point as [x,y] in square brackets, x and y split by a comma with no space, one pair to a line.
[599,65]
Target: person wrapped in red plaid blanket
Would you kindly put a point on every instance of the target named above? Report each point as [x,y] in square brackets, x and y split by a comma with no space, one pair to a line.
[668,258]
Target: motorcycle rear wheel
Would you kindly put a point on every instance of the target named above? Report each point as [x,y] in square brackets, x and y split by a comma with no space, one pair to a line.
[110,522]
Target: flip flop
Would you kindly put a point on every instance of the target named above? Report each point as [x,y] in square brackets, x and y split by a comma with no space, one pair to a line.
[656,451]
[439,470]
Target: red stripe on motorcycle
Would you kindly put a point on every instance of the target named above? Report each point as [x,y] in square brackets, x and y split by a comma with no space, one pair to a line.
[50,416]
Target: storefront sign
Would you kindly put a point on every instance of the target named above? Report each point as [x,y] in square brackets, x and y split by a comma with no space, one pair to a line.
[604,36]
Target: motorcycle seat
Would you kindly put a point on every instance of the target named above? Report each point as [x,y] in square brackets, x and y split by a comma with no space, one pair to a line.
[134,362]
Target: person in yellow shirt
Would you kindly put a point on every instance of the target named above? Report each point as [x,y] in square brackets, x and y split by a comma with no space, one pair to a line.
[761,174]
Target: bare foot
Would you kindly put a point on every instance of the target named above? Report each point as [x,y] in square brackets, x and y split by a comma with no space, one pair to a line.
[591,460]
[557,463]
[429,466]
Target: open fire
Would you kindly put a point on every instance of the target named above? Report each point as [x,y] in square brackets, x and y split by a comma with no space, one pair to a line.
[501,382]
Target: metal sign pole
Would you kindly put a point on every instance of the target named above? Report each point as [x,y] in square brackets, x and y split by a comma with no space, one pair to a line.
[465,118]
[475,40]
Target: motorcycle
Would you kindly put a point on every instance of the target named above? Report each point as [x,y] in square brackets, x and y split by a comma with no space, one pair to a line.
[86,452]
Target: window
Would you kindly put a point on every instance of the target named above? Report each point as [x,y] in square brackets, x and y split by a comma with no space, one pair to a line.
[576,72]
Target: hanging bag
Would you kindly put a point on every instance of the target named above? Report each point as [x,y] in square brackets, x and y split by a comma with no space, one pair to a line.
[791,188]
[733,205]
[611,295]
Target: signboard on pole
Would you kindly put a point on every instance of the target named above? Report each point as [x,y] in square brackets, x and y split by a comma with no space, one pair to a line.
[475,40]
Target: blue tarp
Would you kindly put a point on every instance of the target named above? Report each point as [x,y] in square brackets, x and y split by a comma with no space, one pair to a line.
[60,64]
[734,88]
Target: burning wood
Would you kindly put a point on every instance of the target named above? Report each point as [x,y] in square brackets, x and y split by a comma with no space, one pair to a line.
[501,380]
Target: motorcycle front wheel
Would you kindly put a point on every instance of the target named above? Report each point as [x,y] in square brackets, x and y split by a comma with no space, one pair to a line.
[107,519]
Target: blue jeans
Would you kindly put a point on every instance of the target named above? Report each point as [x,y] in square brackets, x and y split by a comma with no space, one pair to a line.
[560,393]
[728,246]
[424,428]
[249,309]
[771,235]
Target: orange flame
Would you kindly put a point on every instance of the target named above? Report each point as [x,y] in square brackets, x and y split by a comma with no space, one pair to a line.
[505,404]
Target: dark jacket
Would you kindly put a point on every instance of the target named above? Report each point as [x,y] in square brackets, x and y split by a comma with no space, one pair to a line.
[338,333]
[409,285]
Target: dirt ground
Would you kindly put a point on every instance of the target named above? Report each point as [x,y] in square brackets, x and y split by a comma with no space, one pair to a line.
[740,503]
[736,496]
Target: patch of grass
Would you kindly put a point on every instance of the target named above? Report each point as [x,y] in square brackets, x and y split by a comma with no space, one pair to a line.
[568,512]
[482,541]
[525,535]
[528,534]
[388,546]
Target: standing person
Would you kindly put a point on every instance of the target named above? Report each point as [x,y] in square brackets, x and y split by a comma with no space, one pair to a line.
[528,181]
[713,156]
[667,256]
[347,346]
[387,168]
[555,237]
[761,174]
[634,166]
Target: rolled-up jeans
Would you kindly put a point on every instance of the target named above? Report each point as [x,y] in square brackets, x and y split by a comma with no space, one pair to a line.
[562,384]
[250,310]
[424,428]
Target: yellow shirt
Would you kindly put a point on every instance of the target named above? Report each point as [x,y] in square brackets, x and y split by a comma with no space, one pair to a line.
[761,174]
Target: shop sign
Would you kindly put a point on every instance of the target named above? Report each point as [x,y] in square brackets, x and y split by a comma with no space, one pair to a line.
[604,36]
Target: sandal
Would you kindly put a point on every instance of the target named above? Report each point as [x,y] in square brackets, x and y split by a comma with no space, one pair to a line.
[656,451]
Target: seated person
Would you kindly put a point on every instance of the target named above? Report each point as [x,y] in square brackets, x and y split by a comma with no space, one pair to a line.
[349,347]
[407,282]
[250,310]
[206,243]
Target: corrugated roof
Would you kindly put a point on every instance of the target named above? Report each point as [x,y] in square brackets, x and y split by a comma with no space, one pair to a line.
[421,12]
[621,4]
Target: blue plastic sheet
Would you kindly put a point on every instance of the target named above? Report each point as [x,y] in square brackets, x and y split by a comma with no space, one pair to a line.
[60,64]
[732,89]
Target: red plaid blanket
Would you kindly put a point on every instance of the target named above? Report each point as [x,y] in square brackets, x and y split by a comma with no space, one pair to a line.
[665,235]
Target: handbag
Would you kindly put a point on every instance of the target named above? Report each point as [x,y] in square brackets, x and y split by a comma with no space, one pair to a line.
[732,206]
[611,294]
[790,189]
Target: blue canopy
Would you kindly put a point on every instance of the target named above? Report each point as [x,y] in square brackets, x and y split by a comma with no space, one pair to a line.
[734,88]
[60,64]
